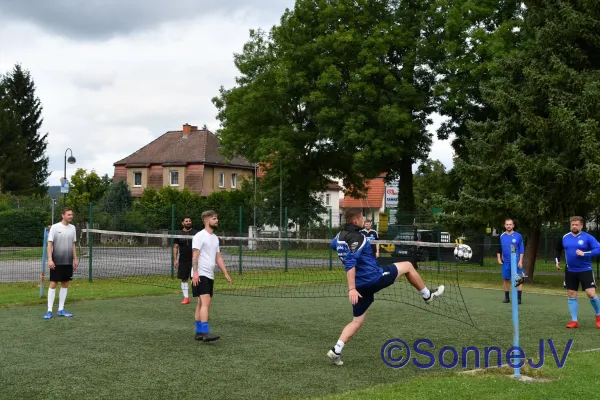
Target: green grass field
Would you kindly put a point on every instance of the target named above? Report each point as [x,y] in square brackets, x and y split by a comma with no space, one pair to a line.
[135,341]
[26,254]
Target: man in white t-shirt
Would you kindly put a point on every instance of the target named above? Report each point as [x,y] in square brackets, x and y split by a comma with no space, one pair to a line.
[62,260]
[205,254]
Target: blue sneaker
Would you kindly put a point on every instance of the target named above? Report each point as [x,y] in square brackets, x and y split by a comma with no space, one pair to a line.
[64,313]
[48,315]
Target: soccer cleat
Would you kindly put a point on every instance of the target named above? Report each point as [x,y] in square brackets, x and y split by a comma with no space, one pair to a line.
[519,301]
[48,315]
[334,357]
[573,324]
[506,301]
[436,293]
[597,321]
[210,337]
[186,301]
[64,313]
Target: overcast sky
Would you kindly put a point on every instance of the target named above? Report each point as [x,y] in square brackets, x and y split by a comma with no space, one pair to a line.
[114,75]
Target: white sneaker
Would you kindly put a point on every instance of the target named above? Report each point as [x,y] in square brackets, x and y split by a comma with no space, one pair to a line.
[336,358]
[436,293]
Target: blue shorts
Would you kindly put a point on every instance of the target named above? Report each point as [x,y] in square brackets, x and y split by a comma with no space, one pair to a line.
[506,271]
[387,278]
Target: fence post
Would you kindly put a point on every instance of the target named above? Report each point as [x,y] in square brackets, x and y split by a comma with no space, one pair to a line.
[330,234]
[241,233]
[285,225]
[172,240]
[91,243]
[515,308]
[439,237]
[44,255]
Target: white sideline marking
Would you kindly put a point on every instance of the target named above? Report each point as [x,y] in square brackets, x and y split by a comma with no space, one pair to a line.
[588,350]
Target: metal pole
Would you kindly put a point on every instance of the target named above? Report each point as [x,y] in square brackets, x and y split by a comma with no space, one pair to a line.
[91,241]
[280,200]
[286,242]
[172,240]
[53,200]
[241,233]
[515,307]
[65,176]
[44,255]
[330,237]
[255,179]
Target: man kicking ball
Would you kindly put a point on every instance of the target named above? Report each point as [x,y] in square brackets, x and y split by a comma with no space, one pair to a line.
[366,277]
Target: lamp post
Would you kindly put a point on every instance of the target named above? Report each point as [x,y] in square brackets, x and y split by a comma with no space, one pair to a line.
[70,160]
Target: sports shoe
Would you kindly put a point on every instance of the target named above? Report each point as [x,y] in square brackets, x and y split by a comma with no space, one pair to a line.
[64,313]
[506,301]
[207,337]
[336,358]
[573,324]
[597,321]
[186,301]
[436,293]
[48,315]
[519,301]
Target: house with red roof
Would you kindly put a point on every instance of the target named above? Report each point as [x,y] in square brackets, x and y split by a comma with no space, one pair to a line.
[372,202]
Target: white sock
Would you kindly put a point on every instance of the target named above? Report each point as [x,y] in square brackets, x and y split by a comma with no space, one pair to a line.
[425,292]
[338,347]
[184,289]
[62,296]
[51,295]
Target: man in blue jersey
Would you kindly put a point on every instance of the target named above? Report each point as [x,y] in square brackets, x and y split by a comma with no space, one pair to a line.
[579,248]
[365,277]
[508,238]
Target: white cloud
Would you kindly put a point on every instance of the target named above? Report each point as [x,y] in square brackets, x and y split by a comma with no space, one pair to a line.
[105,99]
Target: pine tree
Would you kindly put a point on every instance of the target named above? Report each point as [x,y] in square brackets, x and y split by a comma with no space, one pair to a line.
[20,100]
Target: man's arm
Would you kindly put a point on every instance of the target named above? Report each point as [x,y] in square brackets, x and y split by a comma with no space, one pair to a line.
[221,265]
[595,247]
[49,251]
[521,252]
[499,254]
[559,249]
[195,258]
[75,262]
[175,257]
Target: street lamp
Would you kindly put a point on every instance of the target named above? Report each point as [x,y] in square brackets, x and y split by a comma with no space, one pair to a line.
[70,160]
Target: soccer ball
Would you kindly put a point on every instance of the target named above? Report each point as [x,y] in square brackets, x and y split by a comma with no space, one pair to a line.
[463,252]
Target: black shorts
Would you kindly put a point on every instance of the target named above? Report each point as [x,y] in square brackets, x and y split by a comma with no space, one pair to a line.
[387,278]
[61,273]
[573,279]
[205,286]
[184,271]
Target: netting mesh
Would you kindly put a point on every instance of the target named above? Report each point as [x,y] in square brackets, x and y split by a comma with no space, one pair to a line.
[268,267]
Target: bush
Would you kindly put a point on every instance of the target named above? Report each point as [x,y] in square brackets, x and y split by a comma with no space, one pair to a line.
[23,228]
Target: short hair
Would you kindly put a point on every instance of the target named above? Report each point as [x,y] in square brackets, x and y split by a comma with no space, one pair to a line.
[65,210]
[184,218]
[509,219]
[208,214]
[351,214]
[368,220]
[577,218]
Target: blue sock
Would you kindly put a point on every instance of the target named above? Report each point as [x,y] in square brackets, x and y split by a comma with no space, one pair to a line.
[573,306]
[204,326]
[198,327]
[596,304]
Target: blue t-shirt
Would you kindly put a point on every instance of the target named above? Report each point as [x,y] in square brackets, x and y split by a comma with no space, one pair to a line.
[353,249]
[584,242]
[506,241]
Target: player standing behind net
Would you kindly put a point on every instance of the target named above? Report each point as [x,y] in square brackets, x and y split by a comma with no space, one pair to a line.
[371,234]
[182,254]
[579,249]
[62,260]
[205,254]
[507,239]
[366,277]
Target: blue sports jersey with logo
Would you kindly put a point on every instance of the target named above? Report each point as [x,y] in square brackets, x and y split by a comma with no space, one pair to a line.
[584,242]
[506,241]
[354,251]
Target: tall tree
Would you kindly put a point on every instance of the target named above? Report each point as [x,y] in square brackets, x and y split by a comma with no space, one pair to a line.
[12,148]
[432,186]
[21,100]
[85,188]
[339,89]
[538,161]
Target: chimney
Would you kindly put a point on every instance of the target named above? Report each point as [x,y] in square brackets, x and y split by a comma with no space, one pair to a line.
[187,128]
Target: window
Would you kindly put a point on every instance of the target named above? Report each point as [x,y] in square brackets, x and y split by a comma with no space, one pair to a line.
[233,180]
[222,180]
[137,179]
[174,178]
[327,199]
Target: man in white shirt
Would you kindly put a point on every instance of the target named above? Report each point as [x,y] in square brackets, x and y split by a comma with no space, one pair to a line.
[62,260]
[205,254]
